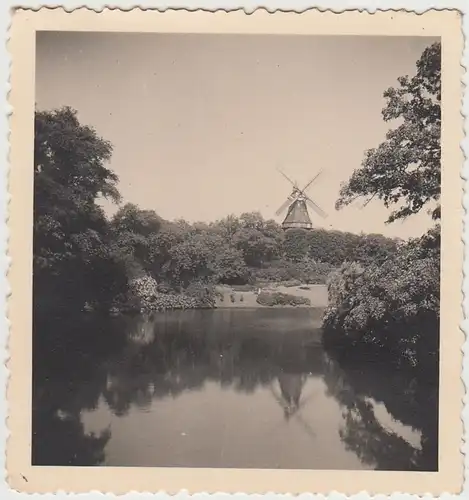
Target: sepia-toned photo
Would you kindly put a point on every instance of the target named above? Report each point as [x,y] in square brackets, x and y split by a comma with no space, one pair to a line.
[237,252]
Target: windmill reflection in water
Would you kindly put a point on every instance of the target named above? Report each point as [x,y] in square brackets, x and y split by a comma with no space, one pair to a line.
[289,398]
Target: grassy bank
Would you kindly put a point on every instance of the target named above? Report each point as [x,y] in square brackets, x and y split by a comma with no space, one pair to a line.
[247,296]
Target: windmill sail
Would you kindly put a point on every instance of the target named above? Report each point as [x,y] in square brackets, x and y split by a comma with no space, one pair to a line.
[284,205]
[288,178]
[312,180]
[316,207]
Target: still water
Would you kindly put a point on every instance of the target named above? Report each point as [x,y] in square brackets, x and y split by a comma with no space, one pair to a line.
[224,388]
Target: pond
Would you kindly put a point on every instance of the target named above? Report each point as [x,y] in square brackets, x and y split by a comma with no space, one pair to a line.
[222,388]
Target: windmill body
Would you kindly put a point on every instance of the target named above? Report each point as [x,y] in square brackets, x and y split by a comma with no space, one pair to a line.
[297,214]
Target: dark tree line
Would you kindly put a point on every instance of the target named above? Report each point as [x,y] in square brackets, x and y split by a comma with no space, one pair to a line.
[82,257]
[72,261]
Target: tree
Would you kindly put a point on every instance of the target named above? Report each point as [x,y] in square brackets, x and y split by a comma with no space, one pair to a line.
[252,220]
[227,227]
[229,266]
[133,234]
[259,240]
[190,260]
[255,246]
[71,158]
[374,248]
[132,219]
[296,245]
[72,261]
[160,246]
[405,169]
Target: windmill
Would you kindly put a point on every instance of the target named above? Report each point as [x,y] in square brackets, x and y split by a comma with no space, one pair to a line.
[297,203]
[291,386]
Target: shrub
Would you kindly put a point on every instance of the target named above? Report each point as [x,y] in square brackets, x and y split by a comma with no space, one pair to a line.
[312,272]
[281,299]
[387,305]
[360,298]
[144,289]
[342,288]
[202,292]
[145,295]
[162,302]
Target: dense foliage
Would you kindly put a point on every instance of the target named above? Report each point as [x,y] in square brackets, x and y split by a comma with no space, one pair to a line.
[73,261]
[381,305]
[82,260]
[393,306]
[335,247]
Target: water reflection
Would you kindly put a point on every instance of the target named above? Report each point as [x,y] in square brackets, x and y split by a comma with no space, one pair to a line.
[223,388]
[361,390]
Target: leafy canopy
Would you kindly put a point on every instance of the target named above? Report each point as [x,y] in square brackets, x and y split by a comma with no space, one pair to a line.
[72,262]
[405,169]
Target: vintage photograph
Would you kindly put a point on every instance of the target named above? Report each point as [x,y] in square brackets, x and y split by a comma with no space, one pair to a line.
[237,251]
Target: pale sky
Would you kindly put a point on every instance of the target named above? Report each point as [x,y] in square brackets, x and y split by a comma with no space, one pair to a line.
[199,123]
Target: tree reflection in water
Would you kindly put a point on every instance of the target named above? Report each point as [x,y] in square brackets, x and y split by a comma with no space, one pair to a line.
[164,355]
[406,399]
[66,381]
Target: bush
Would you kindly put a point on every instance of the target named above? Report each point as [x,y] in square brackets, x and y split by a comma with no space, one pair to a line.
[144,289]
[281,299]
[343,289]
[145,294]
[387,305]
[203,293]
[163,302]
[360,298]
[312,272]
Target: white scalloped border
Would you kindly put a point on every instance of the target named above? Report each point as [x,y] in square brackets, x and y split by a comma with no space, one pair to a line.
[271,6]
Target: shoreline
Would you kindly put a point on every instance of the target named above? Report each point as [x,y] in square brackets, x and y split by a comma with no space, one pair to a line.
[231,297]
[235,299]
